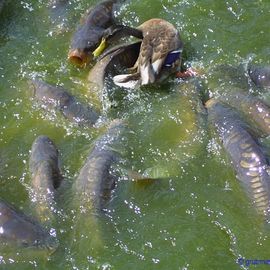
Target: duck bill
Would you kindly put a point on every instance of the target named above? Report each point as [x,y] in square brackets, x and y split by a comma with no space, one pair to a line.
[102,46]
[78,57]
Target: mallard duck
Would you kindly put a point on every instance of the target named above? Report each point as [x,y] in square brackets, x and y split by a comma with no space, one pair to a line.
[160,52]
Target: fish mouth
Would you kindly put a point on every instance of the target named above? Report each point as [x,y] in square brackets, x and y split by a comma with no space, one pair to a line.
[210,103]
[78,57]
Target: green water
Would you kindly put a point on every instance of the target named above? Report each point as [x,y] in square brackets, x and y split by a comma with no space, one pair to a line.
[198,218]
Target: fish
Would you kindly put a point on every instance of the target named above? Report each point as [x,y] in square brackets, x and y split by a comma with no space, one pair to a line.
[260,75]
[255,110]
[89,34]
[93,188]
[45,177]
[109,63]
[95,181]
[223,78]
[245,153]
[58,98]
[58,16]
[20,231]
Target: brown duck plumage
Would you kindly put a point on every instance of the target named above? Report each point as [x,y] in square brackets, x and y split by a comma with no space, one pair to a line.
[159,39]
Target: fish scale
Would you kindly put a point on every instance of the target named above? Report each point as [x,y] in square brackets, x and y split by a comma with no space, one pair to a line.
[246,155]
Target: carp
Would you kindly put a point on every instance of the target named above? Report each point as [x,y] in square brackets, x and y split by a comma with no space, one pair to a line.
[256,110]
[59,99]
[260,75]
[89,34]
[19,230]
[245,154]
[46,176]
[96,181]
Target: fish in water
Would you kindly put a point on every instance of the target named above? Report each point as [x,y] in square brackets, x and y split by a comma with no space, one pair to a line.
[260,75]
[246,155]
[58,98]
[256,110]
[46,176]
[58,15]
[19,230]
[95,181]
[90,32]
[93,188]
[109,64]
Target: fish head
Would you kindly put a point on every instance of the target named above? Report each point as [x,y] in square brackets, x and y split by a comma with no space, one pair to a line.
[36,238]
[84,42]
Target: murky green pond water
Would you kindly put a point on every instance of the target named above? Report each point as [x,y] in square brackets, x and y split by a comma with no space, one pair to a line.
[199,218]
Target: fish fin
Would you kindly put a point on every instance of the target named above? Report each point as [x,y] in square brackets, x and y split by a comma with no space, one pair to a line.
[127,80]
[140,179]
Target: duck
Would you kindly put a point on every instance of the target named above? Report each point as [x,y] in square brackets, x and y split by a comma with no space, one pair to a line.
[159,56]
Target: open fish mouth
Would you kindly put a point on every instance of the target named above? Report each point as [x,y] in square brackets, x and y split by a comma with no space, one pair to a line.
[78,57]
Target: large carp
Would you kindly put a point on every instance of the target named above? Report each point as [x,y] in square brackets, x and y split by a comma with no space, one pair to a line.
[245,153]
[19,230]
[58,98]
[93,189]
[256,110]
[260,75]
[88,36]
[96,181]
[223,78]
[46,176]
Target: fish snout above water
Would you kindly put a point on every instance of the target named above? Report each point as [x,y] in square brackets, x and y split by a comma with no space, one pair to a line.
[84,42]
[88,35]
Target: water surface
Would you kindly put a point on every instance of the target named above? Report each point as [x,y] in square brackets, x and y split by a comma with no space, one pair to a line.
[199,217]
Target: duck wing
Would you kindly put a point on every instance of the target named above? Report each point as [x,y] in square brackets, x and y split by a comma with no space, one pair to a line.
[160,38]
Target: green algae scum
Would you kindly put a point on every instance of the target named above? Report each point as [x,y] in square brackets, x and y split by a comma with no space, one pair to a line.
[197,215]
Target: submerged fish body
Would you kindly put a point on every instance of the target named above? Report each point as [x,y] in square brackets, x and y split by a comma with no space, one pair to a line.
[255,110]
[2,2]
[46,176]
[95,181]
[123,56]
[245,153]
[59,99]
[88,36]
[260,75]
[18,230]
